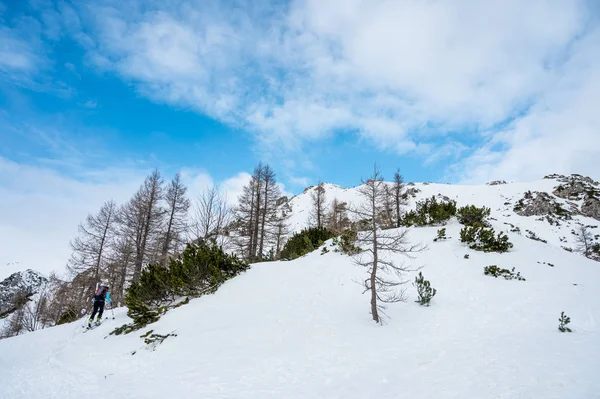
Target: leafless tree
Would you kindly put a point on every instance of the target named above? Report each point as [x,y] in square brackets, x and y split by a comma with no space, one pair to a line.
[120,268]
[95,235]
[35,311]
[256,213]
[385,281]
[280,228]
[337,218]
[318,204]
[211,216]
[141,220]
[268,213]
[177,206]
[398,196]
[585,240]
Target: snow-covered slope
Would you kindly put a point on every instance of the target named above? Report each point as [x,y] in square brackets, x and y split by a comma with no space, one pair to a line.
[500,198]
[302,329]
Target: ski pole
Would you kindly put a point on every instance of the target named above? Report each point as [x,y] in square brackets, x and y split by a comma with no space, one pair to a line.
[112,311]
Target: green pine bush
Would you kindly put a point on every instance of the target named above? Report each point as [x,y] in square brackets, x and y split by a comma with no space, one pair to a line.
[496,272]
[199,270]
[484,239]
[305,242]
[424,290]
[429,212]
[441,235]
[347,240]
[473,216]
[564,320]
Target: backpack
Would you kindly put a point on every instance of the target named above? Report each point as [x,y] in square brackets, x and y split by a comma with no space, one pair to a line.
[100,293]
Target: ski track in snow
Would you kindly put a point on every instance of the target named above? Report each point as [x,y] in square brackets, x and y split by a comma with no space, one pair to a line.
[302,329]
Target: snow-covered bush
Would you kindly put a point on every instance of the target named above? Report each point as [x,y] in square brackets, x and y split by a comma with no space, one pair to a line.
[424,290]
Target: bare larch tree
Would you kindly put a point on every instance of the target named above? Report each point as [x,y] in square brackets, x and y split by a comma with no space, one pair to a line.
[257,212]
[385,277]
[318,204]
[141,219]
[337,218]
[177,206]
[585,240]
[95,235]
[398,196]
[211,215]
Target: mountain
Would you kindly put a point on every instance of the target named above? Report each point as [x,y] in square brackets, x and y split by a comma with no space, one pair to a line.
[24,283]
[302,329]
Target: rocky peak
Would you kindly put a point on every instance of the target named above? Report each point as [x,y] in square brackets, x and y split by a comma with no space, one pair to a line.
[20,284]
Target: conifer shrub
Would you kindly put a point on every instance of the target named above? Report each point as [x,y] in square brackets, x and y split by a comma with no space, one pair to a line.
[484,239]
[496,272]
[199,270]
[441,235]
[473,216]
[305,242]
[564,320]
[429,212]
[347,240]
[424,290]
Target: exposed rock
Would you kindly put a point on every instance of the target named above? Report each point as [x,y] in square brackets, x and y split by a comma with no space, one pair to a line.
[591,207]
[496,182]
[411,192]
[576,188]
[573,177]
[540,204]
[17,287]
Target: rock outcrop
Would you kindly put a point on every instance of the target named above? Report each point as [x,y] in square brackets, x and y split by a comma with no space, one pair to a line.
[17,287]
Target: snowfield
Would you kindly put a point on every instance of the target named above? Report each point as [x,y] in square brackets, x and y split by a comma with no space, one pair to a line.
[302,329]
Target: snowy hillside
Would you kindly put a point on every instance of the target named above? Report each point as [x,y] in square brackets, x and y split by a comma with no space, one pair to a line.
[501,198]
[302,329]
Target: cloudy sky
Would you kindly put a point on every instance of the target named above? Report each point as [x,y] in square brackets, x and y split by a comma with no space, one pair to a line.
[94,94]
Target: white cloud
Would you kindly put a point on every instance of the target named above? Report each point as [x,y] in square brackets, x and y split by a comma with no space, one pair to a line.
[559,134]
[91,104]
[41,208]
[233,187]
[402,74]
[17,56]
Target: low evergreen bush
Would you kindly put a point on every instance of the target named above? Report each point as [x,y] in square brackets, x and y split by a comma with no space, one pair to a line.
[424,290]
[495,271]
[473,216]
[484,239]
[199,270]
[429,212]
[305,242]
[564,320]
[441,235]
[347,240]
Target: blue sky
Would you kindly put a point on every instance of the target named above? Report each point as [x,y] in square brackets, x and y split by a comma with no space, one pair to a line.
[96,93]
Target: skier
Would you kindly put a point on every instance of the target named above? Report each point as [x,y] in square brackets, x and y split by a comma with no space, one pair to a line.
[102,294]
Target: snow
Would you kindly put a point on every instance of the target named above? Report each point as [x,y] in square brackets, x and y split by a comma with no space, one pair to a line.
[302,329]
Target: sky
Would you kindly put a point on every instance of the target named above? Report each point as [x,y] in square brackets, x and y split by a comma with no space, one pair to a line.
[94,94]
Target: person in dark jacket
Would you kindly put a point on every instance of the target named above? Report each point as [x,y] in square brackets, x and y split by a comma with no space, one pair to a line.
[102,295]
